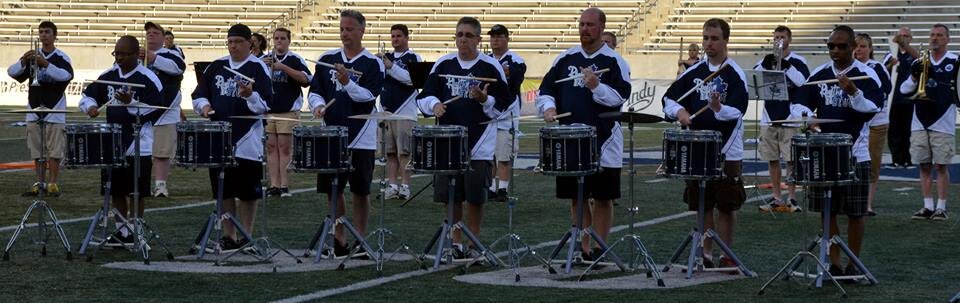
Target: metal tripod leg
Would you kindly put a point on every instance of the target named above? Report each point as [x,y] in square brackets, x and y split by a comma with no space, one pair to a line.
[443,238]
[797,259]
[956,298]
[359,238]
[20,227]
[729,253]
[102,214]
[855,260]
[494,261]
[318,243]
[59,229]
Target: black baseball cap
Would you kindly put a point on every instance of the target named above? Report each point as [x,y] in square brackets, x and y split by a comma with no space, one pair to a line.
[499,29]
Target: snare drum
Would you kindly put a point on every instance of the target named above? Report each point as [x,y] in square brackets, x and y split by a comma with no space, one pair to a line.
[440,149]
[821,159]
[204,144]
[94,145]
[692,154]
[569,150]
[320,149]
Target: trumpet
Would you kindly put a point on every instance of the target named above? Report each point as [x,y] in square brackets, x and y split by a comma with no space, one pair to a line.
[921,94]
[778,51]
[34,67]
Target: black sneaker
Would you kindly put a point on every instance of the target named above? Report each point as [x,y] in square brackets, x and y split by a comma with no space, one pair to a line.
[273,192]
[922,214]
[851,271]
[228,245]
[502,195]
[119,241]
[835,271]
[285,192]
[340,251]
[939,215]
[491,195]
[459,253]
[361,252]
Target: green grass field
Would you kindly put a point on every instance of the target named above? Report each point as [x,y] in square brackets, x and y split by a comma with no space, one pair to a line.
[914,261]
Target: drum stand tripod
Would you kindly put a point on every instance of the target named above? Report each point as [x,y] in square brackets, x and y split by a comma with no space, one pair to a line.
[382,231]
[262,251]
[642,254]
[444,234]
[514,243]
[696,238]
[319,240]
[43,208]
[214,224]
[577,230]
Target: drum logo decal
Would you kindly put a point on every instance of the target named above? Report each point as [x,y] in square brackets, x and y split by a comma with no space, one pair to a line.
[558,156]
[191,148]
[815,160]
[308,154]
[428,162]
[684,155]
[717,85]
[834,96]
[461,87]
[82,150]
[228,87]
[575,71]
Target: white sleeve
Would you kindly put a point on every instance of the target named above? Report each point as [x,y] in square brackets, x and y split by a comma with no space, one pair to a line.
[400,74]
[198,105]
[862,104]
[167,66]
[908,86]
[316,101]
[545,102]
[86,103]
[488,108]
[255,103]
[16,69]
[426,104]
[56,73]
[606,95]
[799,110]
[671,108]
[358,93]
[727,113]
[795,76]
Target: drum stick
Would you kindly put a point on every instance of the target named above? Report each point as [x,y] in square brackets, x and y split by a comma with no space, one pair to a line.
[455,98]
[468,78]
[137,85]
[581,75]
[835,80]
[328,65]
[324,107]
[239,74]
[705,80]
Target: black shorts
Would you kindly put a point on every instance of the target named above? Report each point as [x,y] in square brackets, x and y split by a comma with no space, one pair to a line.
[362,162]
[121,179]
[849,199]
[471,186]
[726,194]
[241,181]
[604,185]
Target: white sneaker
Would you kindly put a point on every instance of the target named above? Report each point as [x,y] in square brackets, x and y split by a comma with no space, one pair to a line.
[390,193]
[160,190]
[404,192]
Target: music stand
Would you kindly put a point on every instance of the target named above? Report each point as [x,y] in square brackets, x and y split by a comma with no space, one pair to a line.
[419,72]
[199,67]
[768,86]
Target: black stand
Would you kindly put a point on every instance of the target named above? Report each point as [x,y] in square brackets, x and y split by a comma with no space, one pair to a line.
[695,240]
[102,220]
[576,231]
[319,240]
[142,231]
[214,224]
[42,206]
[444,234]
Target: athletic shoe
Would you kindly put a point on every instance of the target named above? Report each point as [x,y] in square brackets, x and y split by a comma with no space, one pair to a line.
[459,253]
[491,195]
[285,192]
[53,190]
[728,263]
[391,193]
[771,205]
[273,192]
[835,270]
[923,214]
[851,271]
[502,195]
[404,192]
[361,252]
[939,215]
[119,241]
[33,191]
[340,251]
[793,206]
[160,191]
[228,245]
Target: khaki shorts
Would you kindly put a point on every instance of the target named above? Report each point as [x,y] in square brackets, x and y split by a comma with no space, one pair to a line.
[55,135]
[775,142]
[506,150]
[164,141]
[931,147]
[878,139]
[282,127]
[398,137]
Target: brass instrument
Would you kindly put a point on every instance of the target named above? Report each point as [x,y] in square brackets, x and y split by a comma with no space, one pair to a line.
[34,67]
[921,94]
[778,51]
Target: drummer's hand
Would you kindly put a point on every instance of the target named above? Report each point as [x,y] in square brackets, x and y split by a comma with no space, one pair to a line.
[439,110]
[246,90]
[590,79]
[342,74]
[715,102]
[319,112]
[206,111]
[684,118]
[387,63]
[847,85]
[548,115]
[477,94]
[123,96]
[93,112]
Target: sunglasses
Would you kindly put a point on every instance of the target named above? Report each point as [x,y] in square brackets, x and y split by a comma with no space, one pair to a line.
[121,54]
[466,35]
[840,46]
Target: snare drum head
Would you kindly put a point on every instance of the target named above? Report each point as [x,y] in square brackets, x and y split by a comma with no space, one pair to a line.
[203,126]
[86,128]
[691,135]
[320,131]
[575,130]
[433,131]
[822,139]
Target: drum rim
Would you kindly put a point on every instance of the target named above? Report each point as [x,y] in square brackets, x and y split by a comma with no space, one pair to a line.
[73,128]
[334,130]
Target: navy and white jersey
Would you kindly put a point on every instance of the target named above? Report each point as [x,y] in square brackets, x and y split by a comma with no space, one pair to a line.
[468,112]
[585,104]
[177,50]
[518,70]
[357,97]
[940,112]
[287,92]
[399,96]
[219,88]
[829,101]
[169,68]
[796,76]
[98,94]
[882,117]
[53,79]
[730,84]
[903,73]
